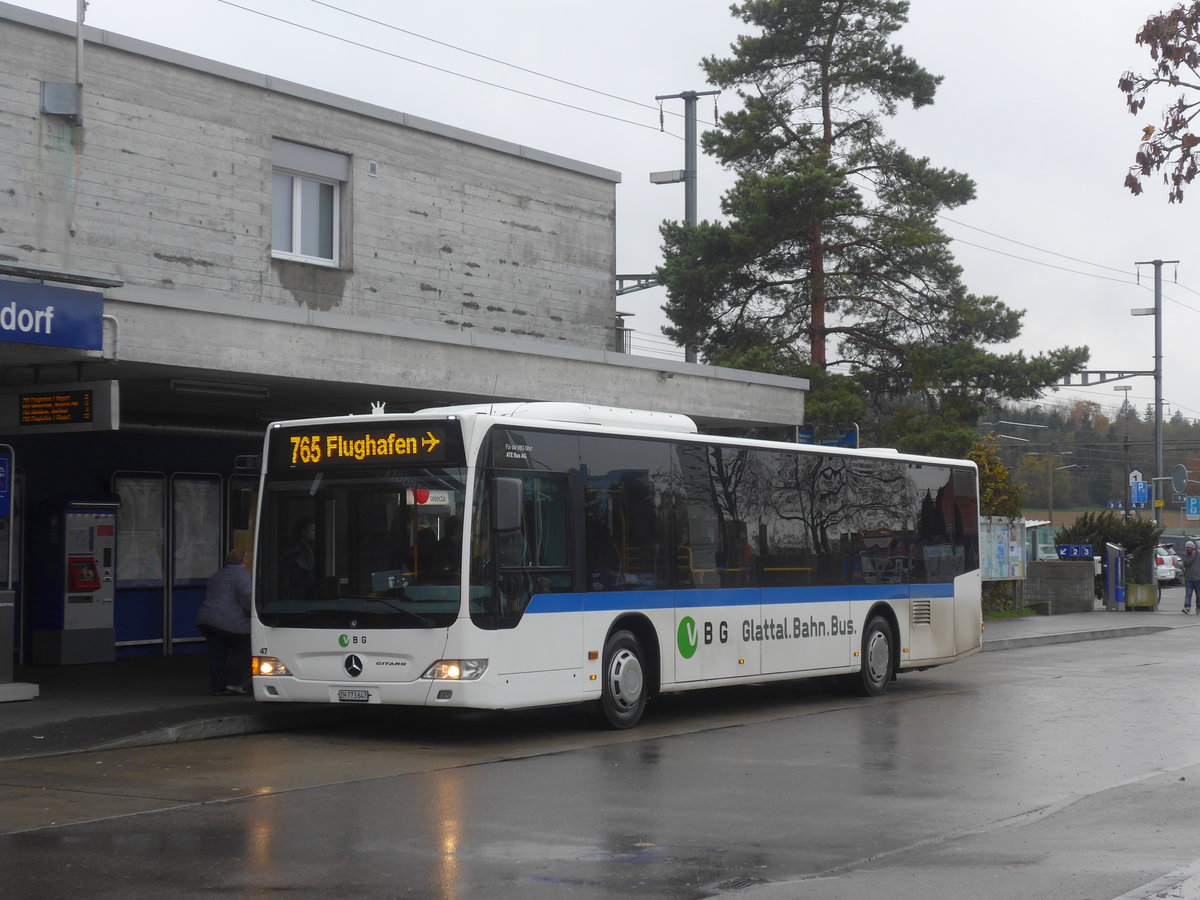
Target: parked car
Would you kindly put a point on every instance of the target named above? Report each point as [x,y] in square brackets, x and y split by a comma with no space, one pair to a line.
[1164,565]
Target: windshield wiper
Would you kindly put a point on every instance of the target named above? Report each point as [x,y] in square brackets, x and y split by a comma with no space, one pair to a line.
[427,622]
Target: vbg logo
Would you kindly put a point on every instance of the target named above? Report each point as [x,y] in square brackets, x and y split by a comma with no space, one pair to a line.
[343,640]
[688,638]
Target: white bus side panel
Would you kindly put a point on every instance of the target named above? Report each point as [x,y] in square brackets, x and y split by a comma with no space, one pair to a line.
[930,622]
[548,637]
[807,629]
[709,639]
[968,622]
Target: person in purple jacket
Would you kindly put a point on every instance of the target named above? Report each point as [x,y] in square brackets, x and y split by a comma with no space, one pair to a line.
[224,620]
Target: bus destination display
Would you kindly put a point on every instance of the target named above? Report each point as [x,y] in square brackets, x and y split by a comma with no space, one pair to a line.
[55,408]
[415,445]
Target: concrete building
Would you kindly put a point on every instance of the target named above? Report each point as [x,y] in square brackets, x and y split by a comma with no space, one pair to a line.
[189,250]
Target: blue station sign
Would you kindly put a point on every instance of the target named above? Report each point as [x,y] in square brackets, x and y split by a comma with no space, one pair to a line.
[51,316]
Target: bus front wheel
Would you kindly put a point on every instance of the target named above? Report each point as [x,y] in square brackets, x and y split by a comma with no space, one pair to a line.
[623,694]
[878,657]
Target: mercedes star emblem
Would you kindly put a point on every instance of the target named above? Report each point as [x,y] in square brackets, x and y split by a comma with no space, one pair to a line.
[354,666]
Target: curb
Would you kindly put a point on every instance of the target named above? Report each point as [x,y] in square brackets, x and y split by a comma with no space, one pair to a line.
[229,726]
[1071,637]
[15,747]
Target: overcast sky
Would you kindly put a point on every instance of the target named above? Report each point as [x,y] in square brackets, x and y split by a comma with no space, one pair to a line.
[1028,108]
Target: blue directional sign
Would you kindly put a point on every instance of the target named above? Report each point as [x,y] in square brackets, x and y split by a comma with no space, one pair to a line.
[1139,492]
[846,437]
[1074,551]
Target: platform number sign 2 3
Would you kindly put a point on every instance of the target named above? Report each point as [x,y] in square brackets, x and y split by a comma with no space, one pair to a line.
[1074,551]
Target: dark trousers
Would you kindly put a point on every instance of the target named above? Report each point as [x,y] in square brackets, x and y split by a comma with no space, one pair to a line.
[1189,588]
[228,658]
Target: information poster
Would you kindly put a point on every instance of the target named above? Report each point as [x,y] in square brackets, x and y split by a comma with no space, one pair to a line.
[140,529]
[1002,548]
[196,527]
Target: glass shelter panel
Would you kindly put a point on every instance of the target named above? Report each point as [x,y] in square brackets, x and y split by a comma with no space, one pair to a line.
[141,529]
[195,527]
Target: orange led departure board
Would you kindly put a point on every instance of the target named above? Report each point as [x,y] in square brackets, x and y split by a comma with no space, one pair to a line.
[55,408]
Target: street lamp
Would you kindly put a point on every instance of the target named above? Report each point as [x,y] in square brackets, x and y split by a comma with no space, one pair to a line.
[1013,437]
[1020,424]
[1156,311]
[1050,491]
[1125,389]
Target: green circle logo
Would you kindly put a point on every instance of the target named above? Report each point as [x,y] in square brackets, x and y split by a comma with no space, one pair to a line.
[687,638]
[344,640]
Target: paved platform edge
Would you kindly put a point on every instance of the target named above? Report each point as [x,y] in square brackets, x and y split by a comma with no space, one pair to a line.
[19,691]
[1070,637]
[257,722]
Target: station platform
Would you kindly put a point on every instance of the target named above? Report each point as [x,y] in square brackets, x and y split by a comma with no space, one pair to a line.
[165,699]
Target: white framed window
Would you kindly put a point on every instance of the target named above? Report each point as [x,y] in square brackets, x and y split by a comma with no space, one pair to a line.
[306,195]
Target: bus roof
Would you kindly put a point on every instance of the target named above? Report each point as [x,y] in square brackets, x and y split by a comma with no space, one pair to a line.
[629,420]
[576,413]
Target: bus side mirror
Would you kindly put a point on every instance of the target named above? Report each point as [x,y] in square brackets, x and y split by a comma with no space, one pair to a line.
[506,504]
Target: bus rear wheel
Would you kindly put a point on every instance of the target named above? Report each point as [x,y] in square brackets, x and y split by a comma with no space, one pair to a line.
[623,691]
[878,657]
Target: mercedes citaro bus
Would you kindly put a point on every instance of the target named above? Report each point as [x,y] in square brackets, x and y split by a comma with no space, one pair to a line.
[527,554]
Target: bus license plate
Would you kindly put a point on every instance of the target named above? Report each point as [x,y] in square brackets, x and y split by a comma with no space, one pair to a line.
[347,696]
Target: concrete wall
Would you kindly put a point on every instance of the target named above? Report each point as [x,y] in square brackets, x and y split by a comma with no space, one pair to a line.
[167,185]
[445,366]
[471,268]
[1056,586]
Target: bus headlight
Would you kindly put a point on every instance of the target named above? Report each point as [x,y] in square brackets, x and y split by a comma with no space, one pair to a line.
[268,665]
[456,669]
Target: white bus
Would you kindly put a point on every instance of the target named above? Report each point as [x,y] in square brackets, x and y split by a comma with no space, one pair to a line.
[529,554]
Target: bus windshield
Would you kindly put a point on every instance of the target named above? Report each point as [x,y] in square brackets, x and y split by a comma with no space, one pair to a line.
[373,547]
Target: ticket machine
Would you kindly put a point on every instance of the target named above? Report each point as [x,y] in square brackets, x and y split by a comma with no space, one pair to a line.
[74,621]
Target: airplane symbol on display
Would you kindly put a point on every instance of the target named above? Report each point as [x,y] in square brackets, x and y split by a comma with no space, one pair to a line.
[429,442]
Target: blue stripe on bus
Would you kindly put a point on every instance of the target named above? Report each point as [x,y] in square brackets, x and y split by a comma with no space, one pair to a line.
[698,598]
[614,601]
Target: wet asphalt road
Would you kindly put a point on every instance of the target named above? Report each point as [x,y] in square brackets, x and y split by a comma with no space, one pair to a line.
[1063,771]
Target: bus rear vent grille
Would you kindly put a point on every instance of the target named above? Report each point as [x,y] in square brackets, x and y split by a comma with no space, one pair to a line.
[922,612]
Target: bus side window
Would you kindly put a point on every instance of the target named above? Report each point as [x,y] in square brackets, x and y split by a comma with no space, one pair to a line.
[534,558]
[628,524]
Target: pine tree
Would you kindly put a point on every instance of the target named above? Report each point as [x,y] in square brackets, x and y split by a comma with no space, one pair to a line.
[831,251]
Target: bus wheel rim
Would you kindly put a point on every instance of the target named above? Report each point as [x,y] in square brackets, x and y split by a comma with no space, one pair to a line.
[625,678]
[878,657]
